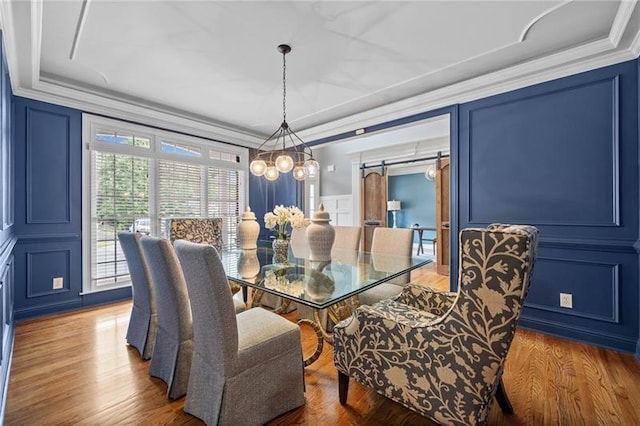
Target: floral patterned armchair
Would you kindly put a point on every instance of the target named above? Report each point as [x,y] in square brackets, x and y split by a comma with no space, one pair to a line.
[442,354]
[203,230]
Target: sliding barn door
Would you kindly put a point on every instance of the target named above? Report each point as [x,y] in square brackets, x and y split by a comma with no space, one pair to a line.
[442,218]
[373,205]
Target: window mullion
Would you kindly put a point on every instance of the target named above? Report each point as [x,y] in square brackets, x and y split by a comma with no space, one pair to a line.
[204,193]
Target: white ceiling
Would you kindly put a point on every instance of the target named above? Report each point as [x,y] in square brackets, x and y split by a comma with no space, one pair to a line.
[211,67]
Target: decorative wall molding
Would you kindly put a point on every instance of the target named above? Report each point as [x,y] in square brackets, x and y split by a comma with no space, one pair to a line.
[527,28]
[50,237]
[625,10]
[340,209]
[31,263]
[590,244]
[614,221]
[575,312]
[30,169]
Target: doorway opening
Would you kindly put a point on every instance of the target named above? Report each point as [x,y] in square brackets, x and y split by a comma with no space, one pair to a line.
[408,164]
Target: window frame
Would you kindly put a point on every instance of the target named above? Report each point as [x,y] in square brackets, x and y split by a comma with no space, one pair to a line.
[91,124]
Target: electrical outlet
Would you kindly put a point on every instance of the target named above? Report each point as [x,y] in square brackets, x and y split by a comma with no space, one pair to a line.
[566,300]
[58,283]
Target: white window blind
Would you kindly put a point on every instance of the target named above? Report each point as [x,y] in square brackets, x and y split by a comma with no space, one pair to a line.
[179,191]
[120,197]
[222,200]
[134,179]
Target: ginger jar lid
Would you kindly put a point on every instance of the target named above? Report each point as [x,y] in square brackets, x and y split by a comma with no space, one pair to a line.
[248,214]
[320,215]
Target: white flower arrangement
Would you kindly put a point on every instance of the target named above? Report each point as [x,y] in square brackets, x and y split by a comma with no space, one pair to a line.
[281,216]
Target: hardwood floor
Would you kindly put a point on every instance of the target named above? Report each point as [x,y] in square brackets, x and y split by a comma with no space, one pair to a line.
[76,369]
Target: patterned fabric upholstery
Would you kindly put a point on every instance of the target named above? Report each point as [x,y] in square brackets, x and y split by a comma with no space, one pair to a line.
[203,230]
[442,354]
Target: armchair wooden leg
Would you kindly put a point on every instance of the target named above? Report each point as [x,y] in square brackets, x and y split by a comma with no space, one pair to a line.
[503,400]
[245,293]
[343,387]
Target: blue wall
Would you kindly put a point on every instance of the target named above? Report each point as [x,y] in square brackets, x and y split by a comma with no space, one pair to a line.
[48,212]
[564,156]
[418,197]
[7,235]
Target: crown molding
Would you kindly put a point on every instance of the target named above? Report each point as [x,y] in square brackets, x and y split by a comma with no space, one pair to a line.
[138,113]
[583,58]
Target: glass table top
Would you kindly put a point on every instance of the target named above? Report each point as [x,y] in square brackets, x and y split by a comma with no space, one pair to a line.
[318,284]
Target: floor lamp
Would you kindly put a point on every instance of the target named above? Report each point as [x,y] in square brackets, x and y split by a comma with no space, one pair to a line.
[393,206]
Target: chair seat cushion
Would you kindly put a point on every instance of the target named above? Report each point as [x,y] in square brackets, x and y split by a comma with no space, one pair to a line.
[379,292]
[262,335]
[405,314]
[239,306]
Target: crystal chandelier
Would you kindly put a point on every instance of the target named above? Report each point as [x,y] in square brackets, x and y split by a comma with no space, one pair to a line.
[273,156]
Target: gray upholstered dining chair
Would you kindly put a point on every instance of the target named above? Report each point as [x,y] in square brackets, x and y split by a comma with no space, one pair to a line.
[442,354]
[141,333]
[173,349]
[346,238]
[247,368]
[388,241]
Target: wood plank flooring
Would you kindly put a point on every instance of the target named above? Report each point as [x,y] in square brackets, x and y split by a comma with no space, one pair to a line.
[75,369]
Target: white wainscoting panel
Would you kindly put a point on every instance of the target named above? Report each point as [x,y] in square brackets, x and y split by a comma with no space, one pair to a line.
[340,208]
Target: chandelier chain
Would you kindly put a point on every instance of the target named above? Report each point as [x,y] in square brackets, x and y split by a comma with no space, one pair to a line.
[284,87]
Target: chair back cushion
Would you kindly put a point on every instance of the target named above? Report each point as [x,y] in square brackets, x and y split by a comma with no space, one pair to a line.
[143,291]
[393,241]
[198,230]
[495,270]
[299,243]
[347,237]
[215,331]
[174,312]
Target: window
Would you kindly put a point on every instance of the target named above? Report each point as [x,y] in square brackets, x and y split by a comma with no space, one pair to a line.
[135,178]
[120,191]
[312,197]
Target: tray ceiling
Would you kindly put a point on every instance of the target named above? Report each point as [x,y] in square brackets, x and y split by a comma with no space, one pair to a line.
[212,68]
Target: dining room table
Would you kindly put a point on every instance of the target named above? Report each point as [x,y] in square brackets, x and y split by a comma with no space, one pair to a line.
[332,283]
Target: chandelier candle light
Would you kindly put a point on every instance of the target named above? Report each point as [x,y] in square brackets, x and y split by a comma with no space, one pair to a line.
[273,156]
